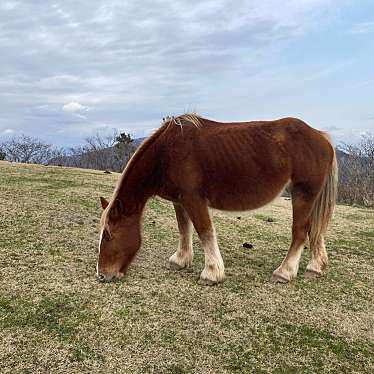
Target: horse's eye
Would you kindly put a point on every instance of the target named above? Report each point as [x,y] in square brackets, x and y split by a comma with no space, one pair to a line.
[106,235]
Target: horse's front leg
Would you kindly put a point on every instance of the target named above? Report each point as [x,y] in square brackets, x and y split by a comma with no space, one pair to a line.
[214,270]
[182,258]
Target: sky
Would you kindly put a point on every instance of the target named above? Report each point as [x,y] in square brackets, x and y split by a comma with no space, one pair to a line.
[70,69]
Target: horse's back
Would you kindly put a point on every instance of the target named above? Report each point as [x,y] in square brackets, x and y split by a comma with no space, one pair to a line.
[240,166]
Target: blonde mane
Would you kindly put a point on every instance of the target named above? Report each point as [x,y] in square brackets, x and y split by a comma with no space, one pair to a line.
[184,119]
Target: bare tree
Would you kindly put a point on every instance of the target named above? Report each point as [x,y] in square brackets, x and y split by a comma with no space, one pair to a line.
[27,149]
[57,156]
[110,152]
[356,172]
[98,151]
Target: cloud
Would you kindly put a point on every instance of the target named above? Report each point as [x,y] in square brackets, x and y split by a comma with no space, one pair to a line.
[331,128]
[135,62]
[7,132]
[74,107]
[362,28]
[8,5]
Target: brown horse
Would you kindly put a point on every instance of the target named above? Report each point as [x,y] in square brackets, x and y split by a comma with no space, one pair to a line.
[198,163]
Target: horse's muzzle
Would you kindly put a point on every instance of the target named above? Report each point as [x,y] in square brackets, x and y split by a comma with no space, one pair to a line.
[106,278]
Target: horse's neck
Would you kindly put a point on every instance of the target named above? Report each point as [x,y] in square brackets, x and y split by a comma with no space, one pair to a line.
[139,184]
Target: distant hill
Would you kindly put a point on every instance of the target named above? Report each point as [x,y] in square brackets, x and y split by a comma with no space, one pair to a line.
[340,154]
[139,141]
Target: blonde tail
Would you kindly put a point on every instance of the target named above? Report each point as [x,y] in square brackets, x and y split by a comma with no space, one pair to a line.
[324,206]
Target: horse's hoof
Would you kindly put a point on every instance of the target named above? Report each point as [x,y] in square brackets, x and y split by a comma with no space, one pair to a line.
[277,278]
[176,267]
[207,282]
[312,274]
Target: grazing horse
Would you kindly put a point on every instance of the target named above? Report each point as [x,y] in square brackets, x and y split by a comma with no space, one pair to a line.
[198,164]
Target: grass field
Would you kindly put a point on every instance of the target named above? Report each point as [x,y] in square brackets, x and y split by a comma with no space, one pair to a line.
[56,318]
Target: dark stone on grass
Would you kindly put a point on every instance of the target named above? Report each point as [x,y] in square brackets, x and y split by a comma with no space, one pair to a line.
[107,172]
[269,219]
[247,245]
[239,217]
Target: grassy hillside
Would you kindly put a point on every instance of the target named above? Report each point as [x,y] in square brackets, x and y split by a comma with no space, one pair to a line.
[55,317]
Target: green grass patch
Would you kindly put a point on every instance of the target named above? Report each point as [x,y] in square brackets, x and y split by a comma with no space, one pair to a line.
[265,218]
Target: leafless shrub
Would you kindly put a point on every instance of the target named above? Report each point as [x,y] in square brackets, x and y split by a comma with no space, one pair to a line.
[356,172]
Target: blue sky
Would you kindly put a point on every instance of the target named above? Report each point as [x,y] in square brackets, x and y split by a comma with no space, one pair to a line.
[70,69]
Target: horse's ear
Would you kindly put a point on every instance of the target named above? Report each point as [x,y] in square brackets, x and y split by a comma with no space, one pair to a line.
[116,210]
[104,202]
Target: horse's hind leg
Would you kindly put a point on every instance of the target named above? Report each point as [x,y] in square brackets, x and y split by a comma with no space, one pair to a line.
[182,258]
[214,271]
[318,259]
[302,205]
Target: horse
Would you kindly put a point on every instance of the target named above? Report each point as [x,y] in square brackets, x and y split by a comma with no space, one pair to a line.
[197,164]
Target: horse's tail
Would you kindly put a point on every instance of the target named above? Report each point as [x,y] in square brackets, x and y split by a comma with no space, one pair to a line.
[324,206]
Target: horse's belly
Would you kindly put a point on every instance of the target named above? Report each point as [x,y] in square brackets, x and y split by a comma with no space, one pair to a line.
[244,196]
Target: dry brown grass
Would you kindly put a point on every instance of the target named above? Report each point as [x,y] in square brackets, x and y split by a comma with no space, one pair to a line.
[55,317]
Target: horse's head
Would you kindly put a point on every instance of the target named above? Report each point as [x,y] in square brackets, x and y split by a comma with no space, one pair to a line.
[119,240]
